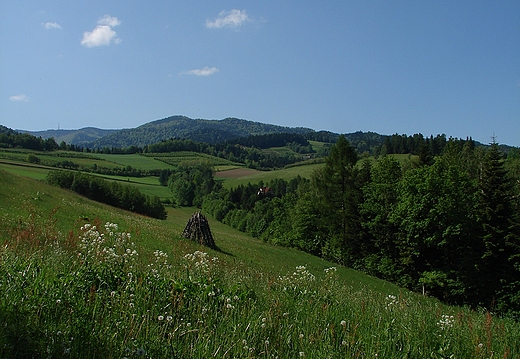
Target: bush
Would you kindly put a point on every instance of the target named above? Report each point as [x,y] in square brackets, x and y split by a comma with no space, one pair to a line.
[31,158]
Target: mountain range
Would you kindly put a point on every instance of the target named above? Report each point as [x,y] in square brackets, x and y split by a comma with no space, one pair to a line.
[199,130]
[82,137]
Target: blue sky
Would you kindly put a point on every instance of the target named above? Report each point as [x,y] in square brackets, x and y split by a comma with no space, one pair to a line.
[404,67]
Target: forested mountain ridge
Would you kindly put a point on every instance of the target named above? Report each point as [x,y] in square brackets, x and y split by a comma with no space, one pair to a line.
[199,130]
[233,130]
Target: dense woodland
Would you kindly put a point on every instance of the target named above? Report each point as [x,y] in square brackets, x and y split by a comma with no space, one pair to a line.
[448,225]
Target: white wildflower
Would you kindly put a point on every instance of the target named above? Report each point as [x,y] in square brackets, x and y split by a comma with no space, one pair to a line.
[446,321]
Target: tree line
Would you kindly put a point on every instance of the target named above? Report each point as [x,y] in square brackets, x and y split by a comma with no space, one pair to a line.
[113,193]
[448,227]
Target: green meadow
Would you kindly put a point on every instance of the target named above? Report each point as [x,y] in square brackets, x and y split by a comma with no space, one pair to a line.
[81,279]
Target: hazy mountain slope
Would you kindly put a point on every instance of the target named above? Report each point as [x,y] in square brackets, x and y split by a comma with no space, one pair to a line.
[80,137]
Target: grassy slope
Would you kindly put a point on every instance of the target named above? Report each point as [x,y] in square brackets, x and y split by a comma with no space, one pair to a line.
[22,198]
[372,323]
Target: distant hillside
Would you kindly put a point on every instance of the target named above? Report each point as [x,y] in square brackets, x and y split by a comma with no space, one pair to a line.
[199,130]
[81,137]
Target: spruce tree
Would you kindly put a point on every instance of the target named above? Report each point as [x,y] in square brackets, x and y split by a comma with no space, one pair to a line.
[499,233]
[338,196]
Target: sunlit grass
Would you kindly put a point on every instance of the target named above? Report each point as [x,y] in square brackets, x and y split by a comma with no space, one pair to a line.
[135,161]
[99,295]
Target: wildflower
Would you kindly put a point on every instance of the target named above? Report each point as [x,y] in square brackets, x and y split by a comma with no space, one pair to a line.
[264,320]
[58,301]
[301,337]
[480,345]
[343,323]
[160,318]
[285,314]
[344,342]
[169,318]
[267,342]
[446,321]
[391,300]
[263,325]
[302,354]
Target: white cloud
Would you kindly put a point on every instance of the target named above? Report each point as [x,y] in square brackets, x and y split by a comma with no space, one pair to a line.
[206,71]
[51,25]
[21,97]
[233,18]
[109,21]
[103,34]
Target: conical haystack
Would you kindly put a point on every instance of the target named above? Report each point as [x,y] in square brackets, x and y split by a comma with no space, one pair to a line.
[197,229]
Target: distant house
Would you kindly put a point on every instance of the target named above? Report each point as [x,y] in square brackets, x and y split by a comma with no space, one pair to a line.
[263,191]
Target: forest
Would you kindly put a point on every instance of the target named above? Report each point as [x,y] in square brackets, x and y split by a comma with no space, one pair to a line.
[447,226]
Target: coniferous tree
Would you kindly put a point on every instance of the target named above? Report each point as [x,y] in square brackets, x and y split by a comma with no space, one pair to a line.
[338,195]
[500,233]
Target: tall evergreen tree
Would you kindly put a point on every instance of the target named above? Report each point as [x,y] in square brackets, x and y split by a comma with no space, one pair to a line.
[337,192]
[500,233]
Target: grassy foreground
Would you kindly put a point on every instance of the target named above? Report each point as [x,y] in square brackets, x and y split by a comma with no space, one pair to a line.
[83,280]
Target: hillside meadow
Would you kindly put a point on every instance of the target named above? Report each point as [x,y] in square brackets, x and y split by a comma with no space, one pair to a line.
[81,279]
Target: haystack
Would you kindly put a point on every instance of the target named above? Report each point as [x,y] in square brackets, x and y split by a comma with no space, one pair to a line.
[197,229]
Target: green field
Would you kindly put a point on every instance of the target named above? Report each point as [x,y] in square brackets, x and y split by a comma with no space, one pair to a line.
[135,161]
[186,157]
[252,176]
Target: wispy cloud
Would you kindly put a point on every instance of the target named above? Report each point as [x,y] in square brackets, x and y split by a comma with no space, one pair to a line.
[103,34]
[109,21]
[233,18]
[21,97]
[51,25]
[205,71]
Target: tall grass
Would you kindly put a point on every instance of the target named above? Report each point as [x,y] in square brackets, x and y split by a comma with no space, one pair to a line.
[94,292]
